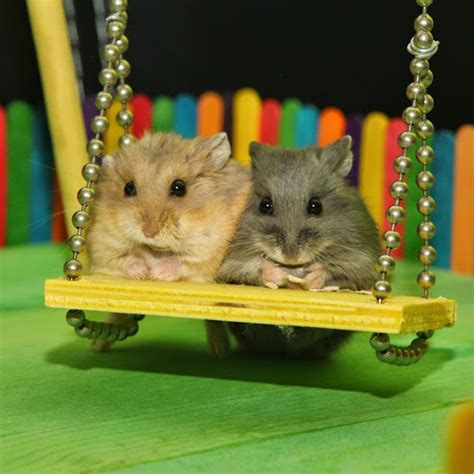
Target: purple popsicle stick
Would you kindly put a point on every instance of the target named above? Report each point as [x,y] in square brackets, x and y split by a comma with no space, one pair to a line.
[89,112]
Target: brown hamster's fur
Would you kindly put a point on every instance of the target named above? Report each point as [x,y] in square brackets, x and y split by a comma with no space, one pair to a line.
[335,247]
[159,236]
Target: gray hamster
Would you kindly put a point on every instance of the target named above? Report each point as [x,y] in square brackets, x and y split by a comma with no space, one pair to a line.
[304,220]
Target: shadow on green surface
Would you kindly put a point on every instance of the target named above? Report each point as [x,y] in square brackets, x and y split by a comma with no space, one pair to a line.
[350,370]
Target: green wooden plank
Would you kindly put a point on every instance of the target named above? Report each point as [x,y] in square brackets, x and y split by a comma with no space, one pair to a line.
[289,111]
[163,114]
[20,140]
[159,403]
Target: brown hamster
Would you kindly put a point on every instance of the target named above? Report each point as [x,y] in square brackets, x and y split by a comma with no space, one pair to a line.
[166,209]
[303,220]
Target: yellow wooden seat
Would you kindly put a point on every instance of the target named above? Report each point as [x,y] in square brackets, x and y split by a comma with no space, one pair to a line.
[336,310]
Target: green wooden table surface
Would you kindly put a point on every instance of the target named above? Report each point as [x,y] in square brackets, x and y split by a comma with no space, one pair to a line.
[158,403]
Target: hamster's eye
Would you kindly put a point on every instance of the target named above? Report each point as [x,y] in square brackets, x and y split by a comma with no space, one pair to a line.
[178,188]
[266,206]
[130,189]
[314,206]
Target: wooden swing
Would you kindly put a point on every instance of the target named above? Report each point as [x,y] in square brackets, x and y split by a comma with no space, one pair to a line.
[379,313]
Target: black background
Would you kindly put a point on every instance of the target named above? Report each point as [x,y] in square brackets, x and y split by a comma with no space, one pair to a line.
[348,53]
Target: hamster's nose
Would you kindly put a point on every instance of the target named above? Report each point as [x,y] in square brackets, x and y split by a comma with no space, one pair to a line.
[150,229]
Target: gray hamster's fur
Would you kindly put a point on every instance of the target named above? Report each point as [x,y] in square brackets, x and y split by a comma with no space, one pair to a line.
[335,247]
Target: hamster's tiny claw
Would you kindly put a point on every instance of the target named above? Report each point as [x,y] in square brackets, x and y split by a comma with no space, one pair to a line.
[137,270]
[167,269]
[273,277]
[315,278]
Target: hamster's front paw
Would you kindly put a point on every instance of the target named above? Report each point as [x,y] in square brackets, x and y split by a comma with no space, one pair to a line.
[273,277]
[315,277]
[137,270]
[167,269]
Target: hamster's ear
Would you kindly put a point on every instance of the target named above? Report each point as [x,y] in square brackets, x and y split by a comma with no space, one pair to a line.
[256,150]
[216,150]
[337,156]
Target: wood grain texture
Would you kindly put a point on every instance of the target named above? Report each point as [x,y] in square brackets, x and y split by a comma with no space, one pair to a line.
[351,311]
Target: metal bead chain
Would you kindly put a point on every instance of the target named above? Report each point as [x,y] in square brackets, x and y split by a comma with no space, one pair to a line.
[115,70]
[422,46]
[425,155]
[398,355]
[104,331]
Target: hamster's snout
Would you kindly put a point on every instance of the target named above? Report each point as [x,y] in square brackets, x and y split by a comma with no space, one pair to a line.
[149,229]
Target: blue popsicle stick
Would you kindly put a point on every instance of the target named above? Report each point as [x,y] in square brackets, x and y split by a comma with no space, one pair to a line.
[306,125]
[442,192]
[185,118]
[41,185]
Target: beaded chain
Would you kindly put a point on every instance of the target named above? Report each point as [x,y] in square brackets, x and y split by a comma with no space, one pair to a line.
[422,46]
[112,78]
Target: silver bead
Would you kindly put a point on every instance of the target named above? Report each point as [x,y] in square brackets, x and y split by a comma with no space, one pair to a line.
[425,129]
[385,263]
[399,190]
[123,68]
[90,171]
[411,115]
[95,147]
[122,44]
[426,230]
[72,268]
[126,140]
[107,76]
[103,100]
[419,66]
[426,205]
[427,254]
[425,180]
[75,318]
[85,195]
[423,39]
[380,342]
[115,29]
[110,53]
[99,124]
[119,5]
[426,279]
[391,239]
[424,22]
[415,89]
[381,289]
[402,164]
[425,103]
[425,154]
[427,79]
[406,139]
[424,3]
[124,118]
[80,219]
[123,93]
[77,243]
[395,214]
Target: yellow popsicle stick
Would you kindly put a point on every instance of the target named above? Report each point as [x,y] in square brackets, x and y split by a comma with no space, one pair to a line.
[372,164]
[247,109]
[115,131]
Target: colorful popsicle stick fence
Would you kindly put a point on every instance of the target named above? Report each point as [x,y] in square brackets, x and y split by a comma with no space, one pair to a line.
[30,204]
